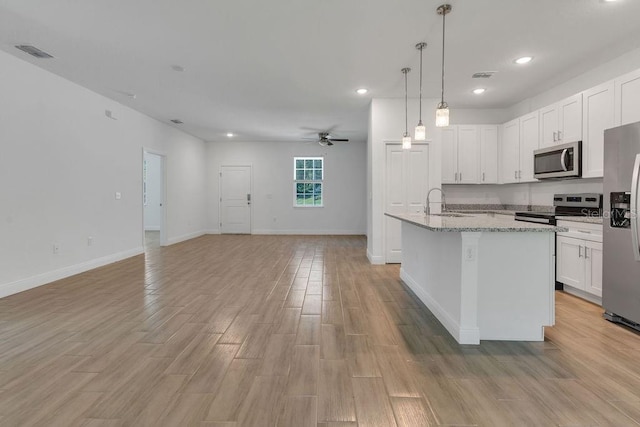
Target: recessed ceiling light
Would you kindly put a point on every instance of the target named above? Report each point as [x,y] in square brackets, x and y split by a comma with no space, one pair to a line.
[177,121]
[362,91]
[178,68]
[479,91]
[523,60]
[230,135]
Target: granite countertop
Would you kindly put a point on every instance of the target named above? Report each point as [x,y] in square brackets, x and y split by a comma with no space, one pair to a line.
[488,209]
[474,223]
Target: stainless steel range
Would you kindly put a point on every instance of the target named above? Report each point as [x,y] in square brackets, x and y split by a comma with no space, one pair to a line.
[582,204]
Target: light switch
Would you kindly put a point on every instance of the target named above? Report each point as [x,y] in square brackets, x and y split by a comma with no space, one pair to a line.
[118,195]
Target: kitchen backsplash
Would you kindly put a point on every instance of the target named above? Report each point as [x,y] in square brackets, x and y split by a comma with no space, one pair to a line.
[531,194]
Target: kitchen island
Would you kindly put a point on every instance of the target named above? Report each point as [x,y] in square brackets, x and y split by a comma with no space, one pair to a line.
[483,277]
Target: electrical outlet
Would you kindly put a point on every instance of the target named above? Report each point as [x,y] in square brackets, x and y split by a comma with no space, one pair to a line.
[470,253]
[56,248]
[90,241]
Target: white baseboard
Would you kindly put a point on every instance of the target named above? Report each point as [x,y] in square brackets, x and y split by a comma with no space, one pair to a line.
[184,237]
[212,231]
[310,232]
[463,336]
[582,294]
[375,259]
[22,285]
[152,228]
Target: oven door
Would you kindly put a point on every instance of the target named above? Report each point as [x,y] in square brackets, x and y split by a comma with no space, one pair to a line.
[559,161]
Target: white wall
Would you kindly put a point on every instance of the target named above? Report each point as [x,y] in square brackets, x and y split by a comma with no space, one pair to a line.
[272,192]
[61,163]
[153,208]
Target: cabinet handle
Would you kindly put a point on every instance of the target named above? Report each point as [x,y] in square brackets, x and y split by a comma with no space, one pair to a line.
[519,174]
[482,176]
[515,174]
[460,176]
[586,253]
[555,136]
[579,251]
[559,135]
[456,177]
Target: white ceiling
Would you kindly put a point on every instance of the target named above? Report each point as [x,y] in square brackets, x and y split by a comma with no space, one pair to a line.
[276,70]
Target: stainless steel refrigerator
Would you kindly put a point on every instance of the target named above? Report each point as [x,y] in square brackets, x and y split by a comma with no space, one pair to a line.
[621,250]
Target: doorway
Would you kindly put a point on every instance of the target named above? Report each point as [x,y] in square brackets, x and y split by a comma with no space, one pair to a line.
[153,185]
[406,186]
[235,200]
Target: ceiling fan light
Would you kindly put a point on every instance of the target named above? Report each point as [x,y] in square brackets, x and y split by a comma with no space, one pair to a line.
[420,132]
[442,115]
[406,142]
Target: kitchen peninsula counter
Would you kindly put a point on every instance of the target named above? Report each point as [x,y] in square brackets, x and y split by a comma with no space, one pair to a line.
[483,277]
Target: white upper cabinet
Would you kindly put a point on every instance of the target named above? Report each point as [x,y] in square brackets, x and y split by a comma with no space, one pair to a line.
[627,98]
[488,154]
[449,139]
[529,141]
[598,115]
[460,154]
[468,154]
[510,150]
[561,122]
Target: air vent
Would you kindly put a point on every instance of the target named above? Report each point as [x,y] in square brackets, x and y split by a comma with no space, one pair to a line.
[34,51]
[177,121]
[483,74]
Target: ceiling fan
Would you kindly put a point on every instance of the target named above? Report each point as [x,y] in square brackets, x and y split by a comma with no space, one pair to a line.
[325,139]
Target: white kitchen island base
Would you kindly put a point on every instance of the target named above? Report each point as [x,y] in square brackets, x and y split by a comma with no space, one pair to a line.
[483,285]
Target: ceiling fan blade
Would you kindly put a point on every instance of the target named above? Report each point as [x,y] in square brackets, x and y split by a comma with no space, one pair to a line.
[338,140]
[329,143]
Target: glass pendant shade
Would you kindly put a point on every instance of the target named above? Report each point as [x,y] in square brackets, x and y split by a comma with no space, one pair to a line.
[442,115]
[406,142]
[421,132]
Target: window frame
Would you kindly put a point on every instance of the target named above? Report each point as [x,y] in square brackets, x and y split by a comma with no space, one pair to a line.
[308,181]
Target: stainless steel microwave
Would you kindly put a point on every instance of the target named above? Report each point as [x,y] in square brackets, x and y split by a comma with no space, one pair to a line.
[558,162]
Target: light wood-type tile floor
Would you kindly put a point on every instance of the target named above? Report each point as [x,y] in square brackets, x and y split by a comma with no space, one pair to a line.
[232,331]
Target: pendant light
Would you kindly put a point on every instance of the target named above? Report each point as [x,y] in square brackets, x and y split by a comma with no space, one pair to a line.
[406,138]
[442,112]
[420,132]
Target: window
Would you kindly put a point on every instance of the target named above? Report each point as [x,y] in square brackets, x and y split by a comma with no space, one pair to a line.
[308,173]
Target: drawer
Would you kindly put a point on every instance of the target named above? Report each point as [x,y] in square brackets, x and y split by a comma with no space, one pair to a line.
[581,230]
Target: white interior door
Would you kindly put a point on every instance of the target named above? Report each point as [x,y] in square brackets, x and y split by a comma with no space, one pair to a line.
[406,186]
[235,200]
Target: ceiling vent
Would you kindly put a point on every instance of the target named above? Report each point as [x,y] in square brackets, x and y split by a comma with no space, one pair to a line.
[34,51]
[483,74]
[177,121]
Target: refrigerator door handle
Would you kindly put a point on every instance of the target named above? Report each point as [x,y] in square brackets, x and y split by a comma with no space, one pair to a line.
[634,208]
[562,157]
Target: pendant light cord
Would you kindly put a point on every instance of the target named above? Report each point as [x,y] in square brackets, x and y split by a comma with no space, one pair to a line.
[406,110]
[421,48]
[444,13]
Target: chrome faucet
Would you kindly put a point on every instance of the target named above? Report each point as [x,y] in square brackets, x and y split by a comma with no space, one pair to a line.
[427,210]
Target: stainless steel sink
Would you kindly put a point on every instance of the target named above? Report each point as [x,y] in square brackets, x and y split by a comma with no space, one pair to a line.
[453,214]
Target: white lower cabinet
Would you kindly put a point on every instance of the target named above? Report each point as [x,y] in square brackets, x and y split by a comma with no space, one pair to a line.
[579,260]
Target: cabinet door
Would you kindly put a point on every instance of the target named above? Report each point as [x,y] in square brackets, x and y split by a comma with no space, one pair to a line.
[593,267]
[510,151]
[598,115]
[529,140]
[548,126]
[468,154]
[449,139]
[570,118]
[489,154]
[627,99]
[570,262]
